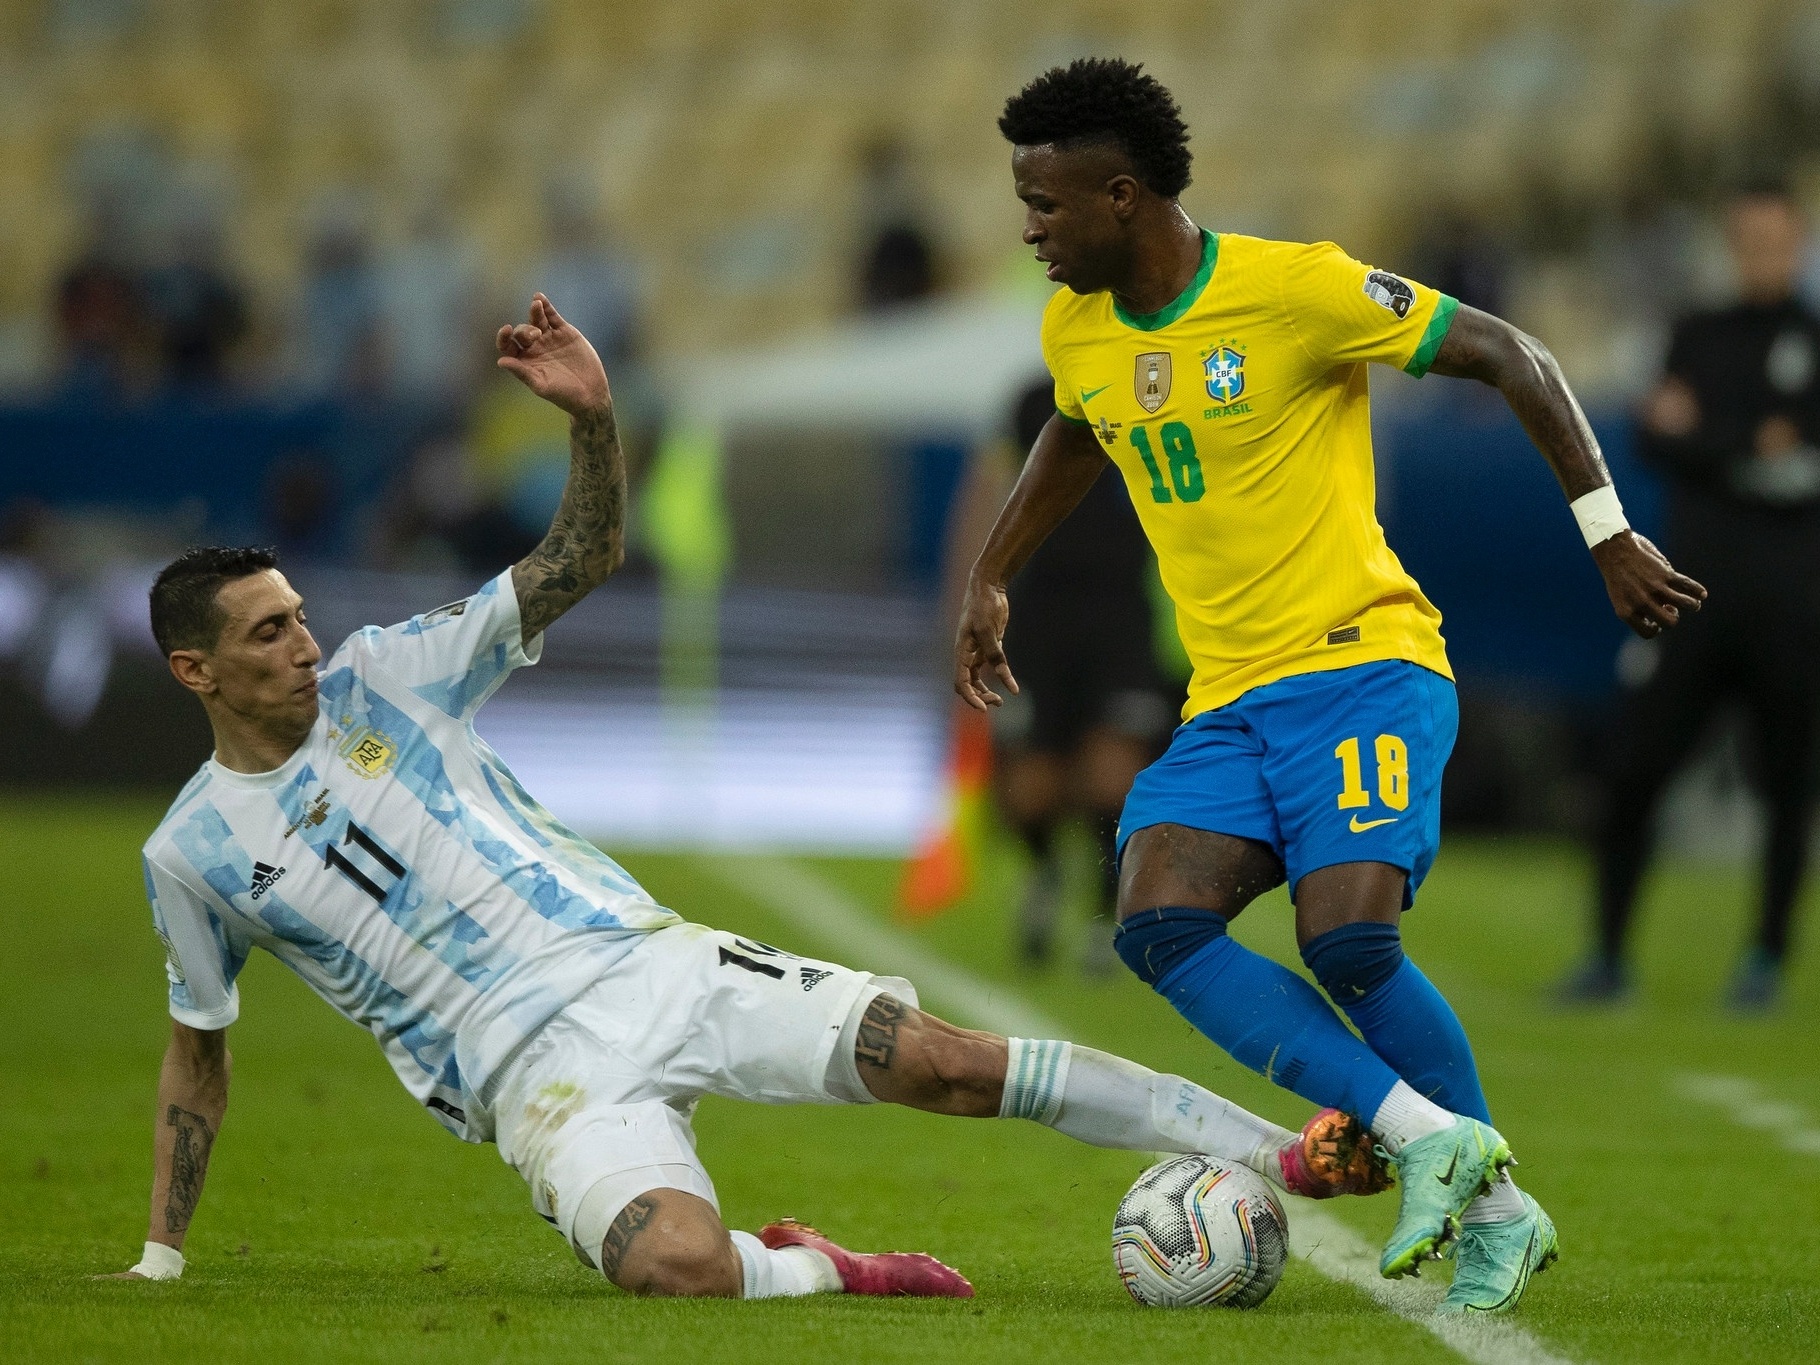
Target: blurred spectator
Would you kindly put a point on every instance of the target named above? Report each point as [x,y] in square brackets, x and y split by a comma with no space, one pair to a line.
[26,529]
[1733,426]
[592,285]
[899,262]
[197,308]
[440,518]
[900,268]
[53,627]
[428,297]
[102,324]
[338,346]
[22,597]
[1460,257]
[300,507]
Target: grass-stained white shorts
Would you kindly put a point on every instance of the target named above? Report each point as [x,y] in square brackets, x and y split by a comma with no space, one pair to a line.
[595,1108]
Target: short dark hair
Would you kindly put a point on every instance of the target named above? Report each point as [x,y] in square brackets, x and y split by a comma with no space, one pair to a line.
[1763,187]
[1105,99]
[185,614]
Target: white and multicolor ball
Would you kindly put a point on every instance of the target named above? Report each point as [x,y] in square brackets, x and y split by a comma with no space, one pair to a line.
[1195,1231]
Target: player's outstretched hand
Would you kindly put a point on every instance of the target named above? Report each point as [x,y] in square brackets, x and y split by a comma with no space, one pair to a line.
[1646,591]
[979,646]
[555,361]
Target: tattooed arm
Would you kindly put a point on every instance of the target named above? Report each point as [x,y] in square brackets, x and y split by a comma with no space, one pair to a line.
[586,541]
[192,1099]
[1645,590]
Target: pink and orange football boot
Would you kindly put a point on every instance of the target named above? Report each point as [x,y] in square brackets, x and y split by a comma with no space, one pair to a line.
[1333,1155]
[884,1273]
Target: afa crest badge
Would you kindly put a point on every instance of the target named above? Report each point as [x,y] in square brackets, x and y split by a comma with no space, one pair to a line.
[1225,370]
[369,752]
[1151,380]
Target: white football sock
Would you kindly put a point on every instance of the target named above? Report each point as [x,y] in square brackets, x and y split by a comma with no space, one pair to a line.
[1107,1101]
[1406,1115]
[788,1272]
[1500,1205]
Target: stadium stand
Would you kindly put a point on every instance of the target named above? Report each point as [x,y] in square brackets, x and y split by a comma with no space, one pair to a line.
[725,137]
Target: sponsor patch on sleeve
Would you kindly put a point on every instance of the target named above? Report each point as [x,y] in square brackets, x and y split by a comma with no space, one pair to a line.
[1387,291]
[451,610]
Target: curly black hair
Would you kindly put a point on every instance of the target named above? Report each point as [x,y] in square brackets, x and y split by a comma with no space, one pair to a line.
[185,614]
[1095,99]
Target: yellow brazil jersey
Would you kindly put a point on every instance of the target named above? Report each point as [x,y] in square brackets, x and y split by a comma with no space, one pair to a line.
[1240,418]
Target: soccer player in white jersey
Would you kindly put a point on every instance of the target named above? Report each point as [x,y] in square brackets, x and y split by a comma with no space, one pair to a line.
[524,988]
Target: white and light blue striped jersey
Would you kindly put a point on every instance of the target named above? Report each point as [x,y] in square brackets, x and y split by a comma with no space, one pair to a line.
[395,864]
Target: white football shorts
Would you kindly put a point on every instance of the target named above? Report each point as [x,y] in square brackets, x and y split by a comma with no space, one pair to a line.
[595,1108]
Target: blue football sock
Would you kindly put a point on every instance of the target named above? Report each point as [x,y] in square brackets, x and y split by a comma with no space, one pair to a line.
[1399,1012]
[1266,1016]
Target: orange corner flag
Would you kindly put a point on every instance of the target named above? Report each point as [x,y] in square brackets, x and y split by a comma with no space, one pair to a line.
[941,871]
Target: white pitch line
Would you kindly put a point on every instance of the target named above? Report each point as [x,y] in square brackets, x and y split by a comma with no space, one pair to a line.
[1749,1105]
[1329,1245]
[1339,1253]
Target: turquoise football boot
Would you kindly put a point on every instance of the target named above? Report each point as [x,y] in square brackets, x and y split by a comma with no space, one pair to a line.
[1439,1176]
[1495,1260]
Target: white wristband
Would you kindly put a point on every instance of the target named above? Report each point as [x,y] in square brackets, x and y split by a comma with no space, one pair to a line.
[160,1262]
[1600,514]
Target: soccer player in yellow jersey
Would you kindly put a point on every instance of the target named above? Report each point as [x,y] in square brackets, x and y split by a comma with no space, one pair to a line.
[1225,376]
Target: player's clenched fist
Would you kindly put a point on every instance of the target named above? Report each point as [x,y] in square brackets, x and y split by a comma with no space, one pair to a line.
[555,361]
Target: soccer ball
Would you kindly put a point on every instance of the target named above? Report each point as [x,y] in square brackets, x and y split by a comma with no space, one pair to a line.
[1195,1231]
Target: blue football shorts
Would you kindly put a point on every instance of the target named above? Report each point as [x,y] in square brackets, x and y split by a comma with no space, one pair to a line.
[1342,766]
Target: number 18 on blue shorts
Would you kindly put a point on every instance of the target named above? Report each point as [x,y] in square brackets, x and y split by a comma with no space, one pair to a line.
[1342,766]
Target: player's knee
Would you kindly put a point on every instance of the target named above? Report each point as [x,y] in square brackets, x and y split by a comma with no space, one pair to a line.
[1353,961]
[1154,942]
[689,1261]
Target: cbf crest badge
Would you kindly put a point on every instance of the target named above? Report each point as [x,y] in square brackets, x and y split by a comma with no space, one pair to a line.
[1225,369]
[1151,380]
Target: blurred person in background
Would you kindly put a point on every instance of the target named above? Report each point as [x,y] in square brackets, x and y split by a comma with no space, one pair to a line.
[598,284]
[1464,259]
[1094,708]
[198,308]
[603,282]
[102,324]
[1732,427]
[301,508]
[428,285]
[898,265]
[440,518]
[337,346]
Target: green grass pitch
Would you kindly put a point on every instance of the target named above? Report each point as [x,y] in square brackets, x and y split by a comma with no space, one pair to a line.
[341,1224]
